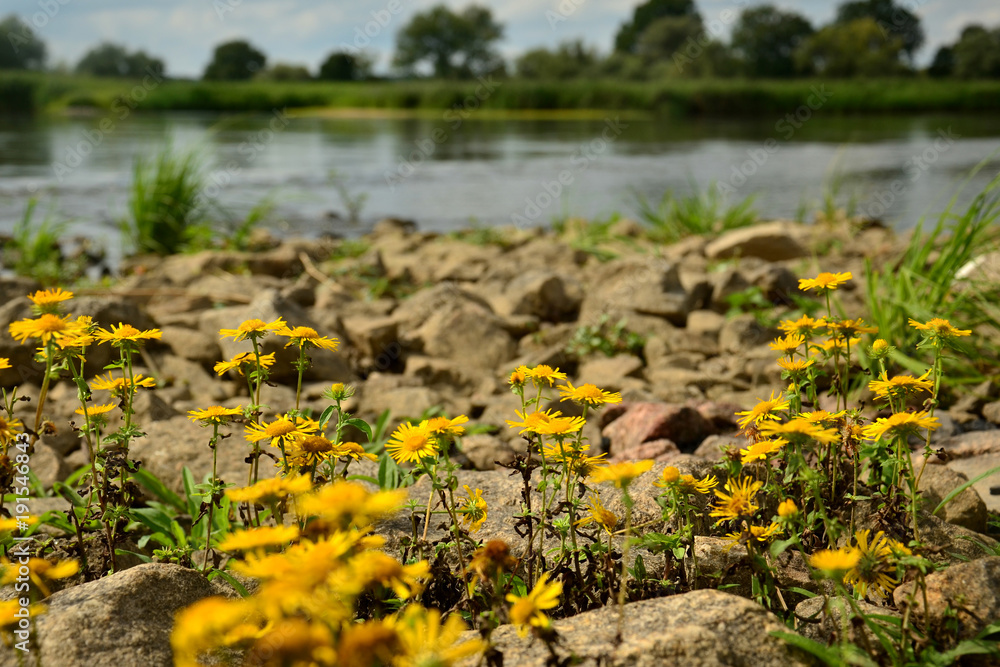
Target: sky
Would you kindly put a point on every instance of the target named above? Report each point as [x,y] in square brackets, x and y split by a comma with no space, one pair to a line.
[184,32]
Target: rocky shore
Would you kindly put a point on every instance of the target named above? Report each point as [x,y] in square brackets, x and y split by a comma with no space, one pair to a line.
[438,322]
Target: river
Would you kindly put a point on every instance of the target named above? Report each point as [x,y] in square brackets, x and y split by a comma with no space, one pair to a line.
[447,172]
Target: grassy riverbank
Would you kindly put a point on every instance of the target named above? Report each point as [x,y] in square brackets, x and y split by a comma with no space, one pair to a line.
[56,93]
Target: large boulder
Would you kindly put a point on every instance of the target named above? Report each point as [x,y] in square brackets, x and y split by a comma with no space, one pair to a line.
[703,628]
[644,422]
[123,619]
[770,241]
[966,509]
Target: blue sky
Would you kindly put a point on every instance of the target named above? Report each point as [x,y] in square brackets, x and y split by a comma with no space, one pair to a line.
[184,32]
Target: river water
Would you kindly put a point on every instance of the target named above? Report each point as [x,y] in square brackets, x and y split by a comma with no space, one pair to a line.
[447,172]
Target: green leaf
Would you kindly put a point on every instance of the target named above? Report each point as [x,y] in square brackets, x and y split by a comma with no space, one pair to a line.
[811,646]
[153,484]
[324,418]
[189,485]
[240,588]
[801,591]
[153,519]
[955,492]
[361,425]
[125,552]
[70,494]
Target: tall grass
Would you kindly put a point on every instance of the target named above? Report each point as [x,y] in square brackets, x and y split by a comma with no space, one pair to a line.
[166,208]
[666,96]
[701,212]
[34,249]
[930,280]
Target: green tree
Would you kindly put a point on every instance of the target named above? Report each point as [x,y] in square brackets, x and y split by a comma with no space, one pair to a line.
[235,61]
[943,64]
[858,48]
[344,66]
[109,59]
[20,48]
[454,44]
[668,36]
[891,19]
[765,39]
[569,60]
[285,72]
[977,53]
[627,39]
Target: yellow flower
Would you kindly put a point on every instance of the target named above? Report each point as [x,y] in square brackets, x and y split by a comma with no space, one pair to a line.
[518,376]
[10,524]
[281,432]
[252,329]
[702,486]
[738,502]
[795,366]
[40,572]
[763,410]
[755,535]
[800,430]
[494,557]
[243,361]
[900,424]
[872,575]
[410,443]
[4,363]
[600,515]
[310,450]
[621,474]
[787,345]
[9,429]
[669,475]
[805,326]
[787,508]
[561,426]
[444,427]
[47,327]
[347,503]
[95,410]
[880,349]
[850,327]
[374,642]
[118,386]
[838,344]
[338,391]
[47,301]
[759,451]
[588,394]
[273,490]
[834,563]
[257,539]
[939,328]
[528,611]
[545,374]
[126,333]
[531,423]
[352,451]
[473,509]
[215,414]
[824,281]
[211,623]
[428,641]
[11,613]
[373,567]
[307,336]
[900,386]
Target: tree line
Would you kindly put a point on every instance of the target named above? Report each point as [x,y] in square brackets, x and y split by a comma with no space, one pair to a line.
[663,39]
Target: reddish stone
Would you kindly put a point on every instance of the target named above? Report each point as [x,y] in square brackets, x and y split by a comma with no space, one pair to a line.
[657,450]
[643,422]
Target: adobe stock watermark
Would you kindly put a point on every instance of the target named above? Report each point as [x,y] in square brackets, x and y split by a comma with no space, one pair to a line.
[563,11]
[580,161]
[121,108]
[19,550]
[426,147]
[715,28]
[363,35]
[48,10]
[785,127]
[913,169]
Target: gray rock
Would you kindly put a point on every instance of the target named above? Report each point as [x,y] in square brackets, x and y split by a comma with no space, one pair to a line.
[974,466]
[948,543]
[825,622]
[705,321]
[966,593]
[636,286]
[123,619]
[483,450]
[542,293]
[966,509]
[742,332]
[192,344]
[609,373]
[991,412]
[703,628]
[770,241]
